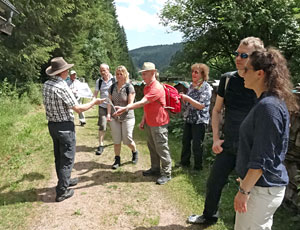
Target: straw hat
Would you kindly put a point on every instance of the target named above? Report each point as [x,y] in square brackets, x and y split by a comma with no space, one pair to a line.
[58,65]
[147,66]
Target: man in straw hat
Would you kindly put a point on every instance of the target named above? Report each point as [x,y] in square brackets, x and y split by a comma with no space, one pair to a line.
[155,121]
[59,102]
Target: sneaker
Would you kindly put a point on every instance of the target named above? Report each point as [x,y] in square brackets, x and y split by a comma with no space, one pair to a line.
[150,172]
[135,157]
[82,123]
[163,179]
[73,182]
[117,162]
[196,219]
[99,150]
[67,194]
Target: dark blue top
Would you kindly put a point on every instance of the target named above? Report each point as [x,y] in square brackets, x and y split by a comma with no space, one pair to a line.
[263,142]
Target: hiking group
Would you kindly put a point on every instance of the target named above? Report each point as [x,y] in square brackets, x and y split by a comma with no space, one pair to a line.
[257,99]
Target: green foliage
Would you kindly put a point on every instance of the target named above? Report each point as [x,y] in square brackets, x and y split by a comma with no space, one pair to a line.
[85,33]
[213,29]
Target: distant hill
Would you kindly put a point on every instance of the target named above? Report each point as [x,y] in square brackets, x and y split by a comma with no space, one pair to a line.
[160,55]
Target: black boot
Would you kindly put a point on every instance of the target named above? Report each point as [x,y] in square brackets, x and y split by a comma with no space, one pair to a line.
[117,163]
[135,157]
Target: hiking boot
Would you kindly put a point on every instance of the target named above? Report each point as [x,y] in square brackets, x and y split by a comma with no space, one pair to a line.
[196,219]
[73,182]
[99,150]
[117,162]
[151,172]
[163,179]
[135,157]
[67,194]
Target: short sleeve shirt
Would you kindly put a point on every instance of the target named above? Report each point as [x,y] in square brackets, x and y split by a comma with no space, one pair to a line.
[264,136]
[203,94]
[121,99]
[58,100]
[104,89]
[154,112]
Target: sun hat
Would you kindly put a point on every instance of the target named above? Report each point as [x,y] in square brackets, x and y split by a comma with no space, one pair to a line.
[58,65]
[72,72]
[147,66]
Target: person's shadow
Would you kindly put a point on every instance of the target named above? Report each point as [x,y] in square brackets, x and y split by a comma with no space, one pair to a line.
[173,227]
[30,195]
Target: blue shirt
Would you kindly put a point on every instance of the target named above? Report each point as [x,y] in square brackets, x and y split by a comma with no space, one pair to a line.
[263,142]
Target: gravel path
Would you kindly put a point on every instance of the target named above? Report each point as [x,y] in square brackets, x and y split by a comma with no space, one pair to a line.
[105,198]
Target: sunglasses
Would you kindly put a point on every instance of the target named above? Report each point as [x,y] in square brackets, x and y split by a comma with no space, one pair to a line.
[242,55]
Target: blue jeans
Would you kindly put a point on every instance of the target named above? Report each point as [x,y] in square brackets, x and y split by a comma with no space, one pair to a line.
[224,164]
[192,133]
[64,143]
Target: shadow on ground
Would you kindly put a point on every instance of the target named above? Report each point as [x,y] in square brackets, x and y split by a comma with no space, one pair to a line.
[173,227]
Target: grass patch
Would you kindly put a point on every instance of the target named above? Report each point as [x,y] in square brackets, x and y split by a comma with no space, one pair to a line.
[25,156]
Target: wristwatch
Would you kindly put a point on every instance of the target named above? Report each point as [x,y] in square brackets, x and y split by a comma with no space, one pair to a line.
[241,190]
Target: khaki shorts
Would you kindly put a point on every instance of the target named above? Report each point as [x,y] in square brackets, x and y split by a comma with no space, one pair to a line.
[102,122]
[122,131]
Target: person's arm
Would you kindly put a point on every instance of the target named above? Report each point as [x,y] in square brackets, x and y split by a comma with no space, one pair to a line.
[131,97]
[96,93]
[215,123]
[142,123]
[193,102]
[135,105]
[242,196]
[108,116]
[84,107]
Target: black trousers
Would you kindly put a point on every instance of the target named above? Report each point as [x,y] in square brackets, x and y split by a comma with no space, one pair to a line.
[64,143]
[192,134]
[224,164]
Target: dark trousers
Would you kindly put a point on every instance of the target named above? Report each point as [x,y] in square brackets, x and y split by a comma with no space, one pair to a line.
[222,167]
[192,133]
[64,143]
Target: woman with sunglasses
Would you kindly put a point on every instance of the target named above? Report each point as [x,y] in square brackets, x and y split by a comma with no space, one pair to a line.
[264,136]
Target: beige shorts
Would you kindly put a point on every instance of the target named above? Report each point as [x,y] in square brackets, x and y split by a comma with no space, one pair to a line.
[102,122]
[122,131]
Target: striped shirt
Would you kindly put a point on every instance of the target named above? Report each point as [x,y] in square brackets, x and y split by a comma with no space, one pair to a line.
[58,100]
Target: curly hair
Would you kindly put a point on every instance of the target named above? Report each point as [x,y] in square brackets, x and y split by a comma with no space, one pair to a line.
[255,42]
[123,70]
[277,75]
[204,70]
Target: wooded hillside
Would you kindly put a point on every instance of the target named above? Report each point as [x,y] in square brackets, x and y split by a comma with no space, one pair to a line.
[160,55]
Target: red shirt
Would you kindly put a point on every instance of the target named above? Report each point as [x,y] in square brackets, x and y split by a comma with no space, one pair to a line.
[155,114]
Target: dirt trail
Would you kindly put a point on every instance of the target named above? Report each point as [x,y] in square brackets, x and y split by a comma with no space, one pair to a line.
[105,198]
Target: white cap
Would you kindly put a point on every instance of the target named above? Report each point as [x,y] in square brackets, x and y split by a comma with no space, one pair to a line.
[72,72]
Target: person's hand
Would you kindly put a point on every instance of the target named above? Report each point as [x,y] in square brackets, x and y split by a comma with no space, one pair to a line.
[108,117]
[183,97]
[119,110]
[142,125]
[217,146]
[98,101]
[240,202]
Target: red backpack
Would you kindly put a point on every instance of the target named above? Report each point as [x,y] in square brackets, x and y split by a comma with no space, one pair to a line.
[173,103]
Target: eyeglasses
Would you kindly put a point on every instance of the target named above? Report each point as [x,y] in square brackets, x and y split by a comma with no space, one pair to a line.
[245,70]
[242,55]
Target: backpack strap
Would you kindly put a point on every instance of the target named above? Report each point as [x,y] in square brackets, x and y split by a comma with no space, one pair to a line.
[101,80]
[126,87]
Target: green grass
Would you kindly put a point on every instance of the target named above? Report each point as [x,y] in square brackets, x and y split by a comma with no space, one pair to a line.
[25,156]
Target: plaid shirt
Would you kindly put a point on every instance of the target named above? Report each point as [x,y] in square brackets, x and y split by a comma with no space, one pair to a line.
[58,99]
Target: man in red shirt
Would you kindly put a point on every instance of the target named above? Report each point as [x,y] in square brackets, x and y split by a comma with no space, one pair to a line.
[155,121]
